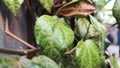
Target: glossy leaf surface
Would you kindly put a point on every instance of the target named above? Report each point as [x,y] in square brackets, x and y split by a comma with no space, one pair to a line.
[53,36]
[83,26]
[88,55]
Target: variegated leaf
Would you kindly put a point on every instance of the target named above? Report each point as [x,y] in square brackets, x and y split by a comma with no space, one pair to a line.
[81,8]
[13,5]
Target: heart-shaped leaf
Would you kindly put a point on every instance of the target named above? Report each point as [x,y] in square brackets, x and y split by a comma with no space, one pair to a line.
[47,4]
[13,5]
[81,8]
[45,62]
[88,54]
[84,27]
[53,36]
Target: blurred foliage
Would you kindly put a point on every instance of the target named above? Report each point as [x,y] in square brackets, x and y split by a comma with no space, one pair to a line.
[17,62]
[100,3]
[67,23]
[116,12]
[47,4]
[13,5]
[22,62]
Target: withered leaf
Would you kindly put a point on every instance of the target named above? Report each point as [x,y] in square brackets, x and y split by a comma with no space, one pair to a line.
[81,8]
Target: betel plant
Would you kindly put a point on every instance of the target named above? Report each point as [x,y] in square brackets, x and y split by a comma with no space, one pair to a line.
[57,40]
[66,32]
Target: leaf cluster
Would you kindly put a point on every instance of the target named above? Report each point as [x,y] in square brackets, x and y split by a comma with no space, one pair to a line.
[69,26]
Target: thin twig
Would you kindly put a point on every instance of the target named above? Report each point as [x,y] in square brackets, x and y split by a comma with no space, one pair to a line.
[32,50]
[15,37]
[97,34]
[86,32]
[20,40]
[15,52]
[70,52]
[7,51]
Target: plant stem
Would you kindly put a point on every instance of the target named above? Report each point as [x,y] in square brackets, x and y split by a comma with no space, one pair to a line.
[86,32]
[97,34]
[71,51]
[15,37]
[15,52]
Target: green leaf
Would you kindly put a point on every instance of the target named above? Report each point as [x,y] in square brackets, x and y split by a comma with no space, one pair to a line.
[82,26]
[47,4]
[98,26]
[13,5]
[88,55]
[22,62]
[68,62]
[116,11]
[114,62]
[17,62]
[45,62]
[100,3]
[53,36]
[81,8]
